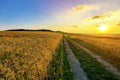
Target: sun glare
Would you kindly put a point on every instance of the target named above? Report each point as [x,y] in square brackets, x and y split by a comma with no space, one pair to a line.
[103,28]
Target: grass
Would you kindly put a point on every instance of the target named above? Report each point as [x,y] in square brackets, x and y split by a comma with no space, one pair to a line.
[94,69]
[59,68]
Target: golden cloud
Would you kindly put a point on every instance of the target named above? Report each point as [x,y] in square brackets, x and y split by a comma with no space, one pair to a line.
[98,17]
[112,15]
[118,24]
[102,17]
[78,10]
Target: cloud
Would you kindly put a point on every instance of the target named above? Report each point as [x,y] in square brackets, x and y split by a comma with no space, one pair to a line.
[118,24]
[98,17]
[101,17]
[75,26]
[78,10]
[105,16]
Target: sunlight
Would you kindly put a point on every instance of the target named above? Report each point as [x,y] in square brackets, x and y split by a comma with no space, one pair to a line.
[103,28]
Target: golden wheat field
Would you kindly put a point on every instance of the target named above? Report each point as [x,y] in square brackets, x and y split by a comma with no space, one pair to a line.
[26,55]
[106,46]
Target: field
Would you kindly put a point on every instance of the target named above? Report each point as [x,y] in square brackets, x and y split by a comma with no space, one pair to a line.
[42,55]
[105,46]
[26,55]
[95,70]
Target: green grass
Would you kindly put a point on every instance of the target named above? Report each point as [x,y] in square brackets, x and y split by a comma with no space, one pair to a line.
[95,70]
[59,67]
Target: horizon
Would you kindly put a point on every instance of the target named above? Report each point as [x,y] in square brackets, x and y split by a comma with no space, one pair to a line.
[72,16]
[49,30]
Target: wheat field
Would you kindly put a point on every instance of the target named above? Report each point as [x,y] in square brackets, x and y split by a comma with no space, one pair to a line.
[26,55]
[106,46]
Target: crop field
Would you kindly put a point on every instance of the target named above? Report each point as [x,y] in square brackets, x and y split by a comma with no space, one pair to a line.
[105,46]
[42,55]
[27,55]
[95,70]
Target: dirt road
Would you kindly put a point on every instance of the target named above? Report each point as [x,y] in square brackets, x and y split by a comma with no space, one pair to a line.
[78,72]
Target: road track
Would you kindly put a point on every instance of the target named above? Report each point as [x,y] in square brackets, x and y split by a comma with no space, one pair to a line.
[78,72]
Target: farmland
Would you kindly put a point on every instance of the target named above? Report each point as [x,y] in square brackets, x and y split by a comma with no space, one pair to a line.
[105,46]
[95,70]
[26,55]
[42,55]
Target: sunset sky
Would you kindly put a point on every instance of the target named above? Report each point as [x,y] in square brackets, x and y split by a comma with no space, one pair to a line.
[79,16]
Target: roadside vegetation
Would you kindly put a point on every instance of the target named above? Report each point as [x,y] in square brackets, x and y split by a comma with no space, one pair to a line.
[59,68]
[94,69]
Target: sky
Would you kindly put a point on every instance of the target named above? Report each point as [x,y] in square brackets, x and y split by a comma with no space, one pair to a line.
[79,16]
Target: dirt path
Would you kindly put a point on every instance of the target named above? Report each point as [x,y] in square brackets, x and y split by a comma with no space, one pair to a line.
[107,65]
[78,72]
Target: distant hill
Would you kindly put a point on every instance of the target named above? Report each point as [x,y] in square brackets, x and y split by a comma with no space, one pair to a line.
[29,30]
[46,30]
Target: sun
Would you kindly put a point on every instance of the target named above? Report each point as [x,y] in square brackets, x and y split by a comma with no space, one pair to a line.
[103,28]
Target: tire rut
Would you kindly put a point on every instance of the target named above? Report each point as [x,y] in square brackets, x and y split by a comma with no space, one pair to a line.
[78,72]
